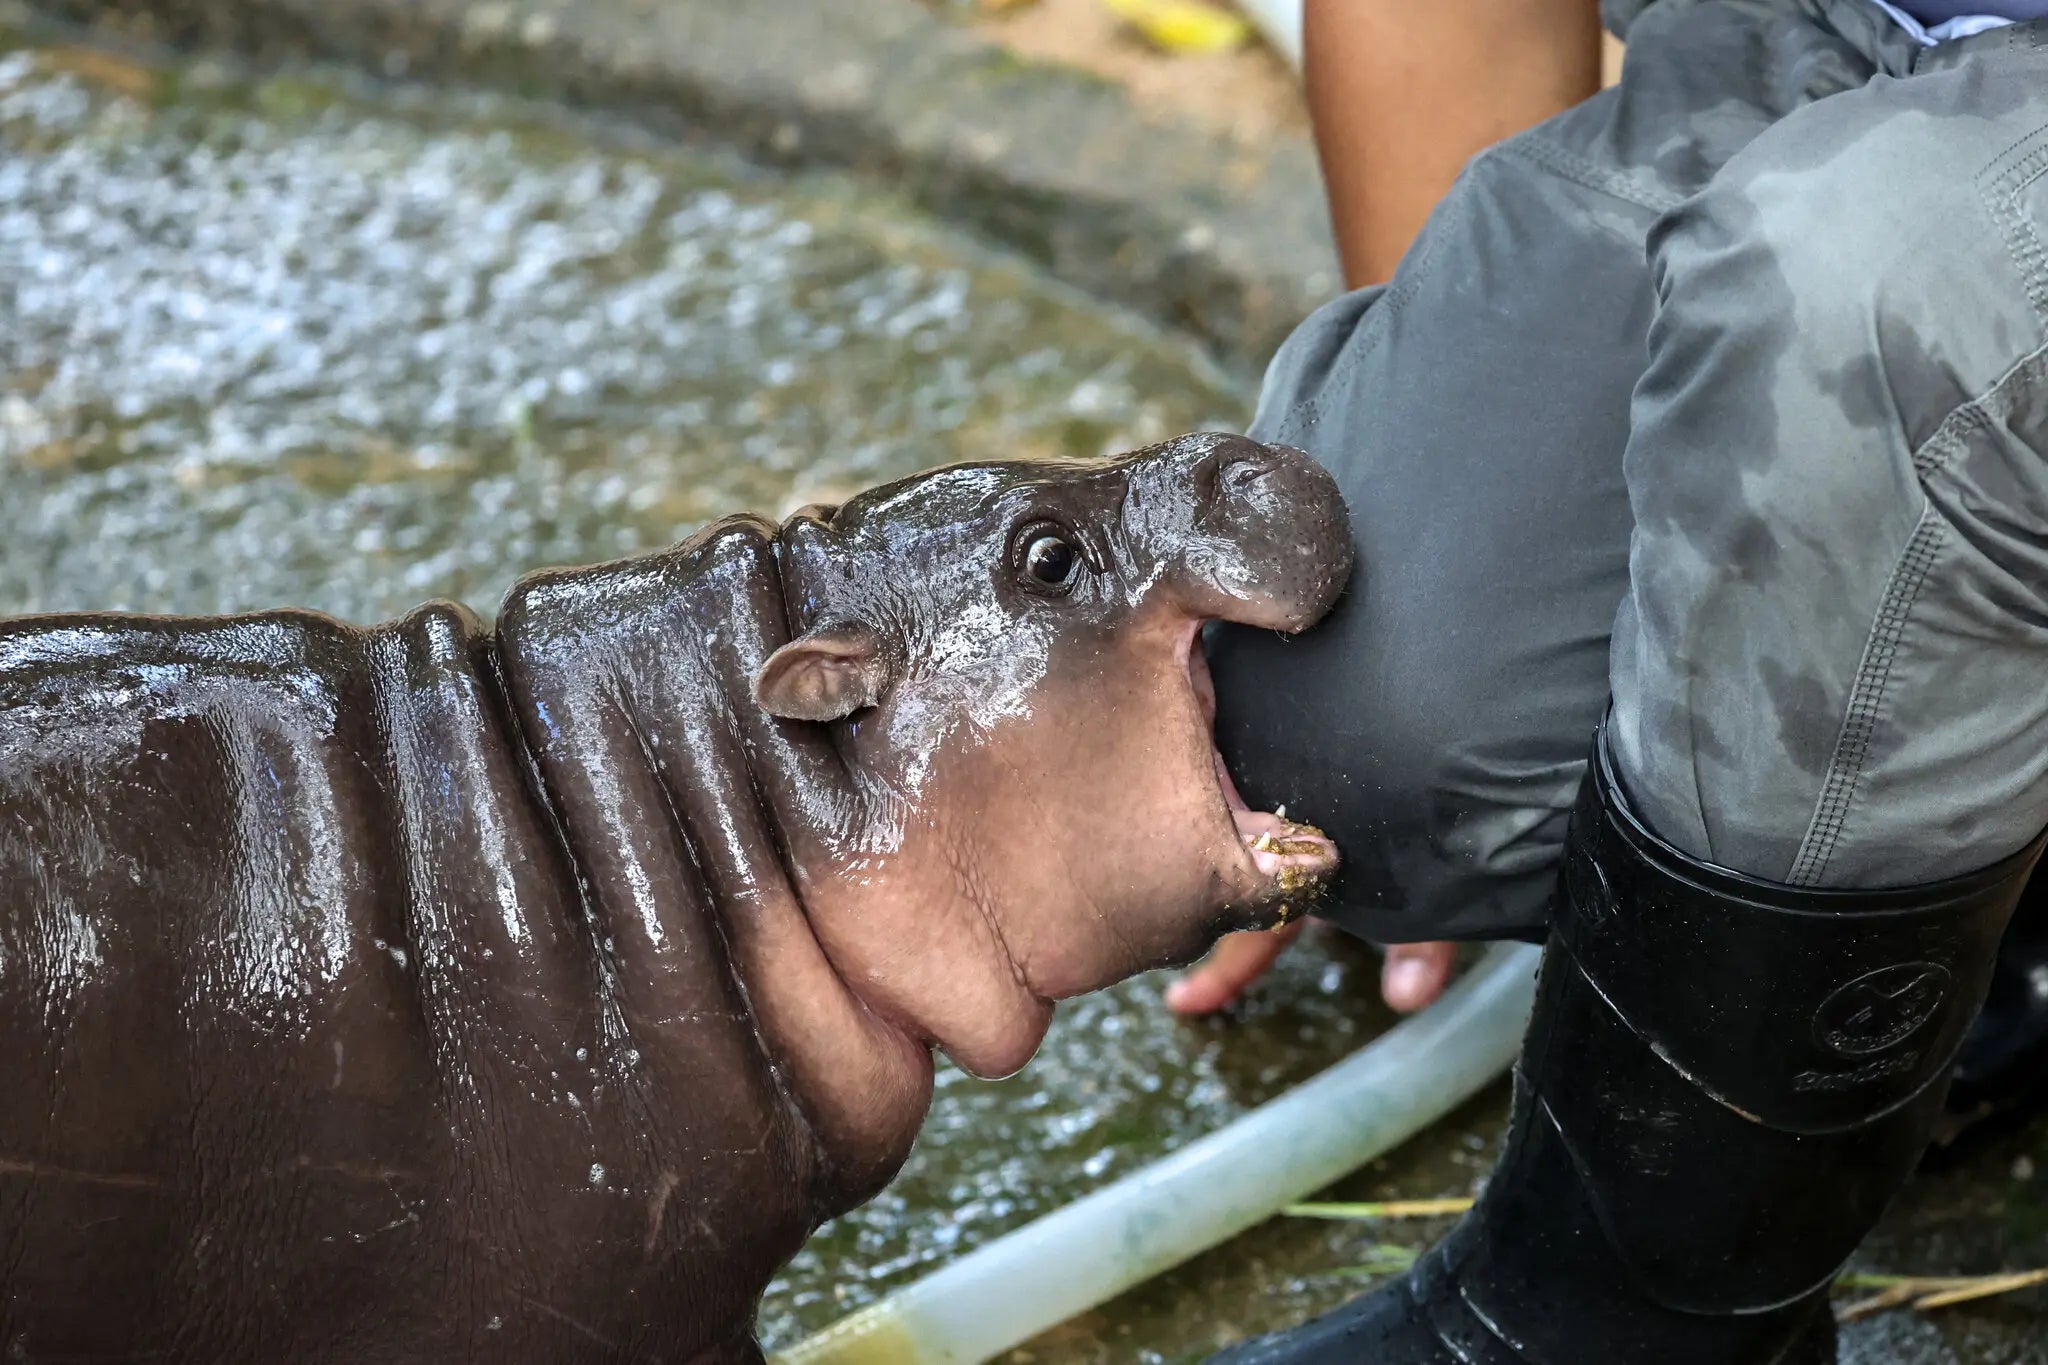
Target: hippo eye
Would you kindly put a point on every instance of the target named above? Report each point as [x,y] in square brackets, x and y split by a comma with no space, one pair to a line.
[1051,560]
[1047,558]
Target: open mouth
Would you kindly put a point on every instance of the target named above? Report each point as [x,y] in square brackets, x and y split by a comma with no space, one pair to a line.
[1292,860]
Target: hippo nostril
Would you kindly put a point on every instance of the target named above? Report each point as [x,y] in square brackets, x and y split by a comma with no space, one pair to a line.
[1226,479]
[1239,475]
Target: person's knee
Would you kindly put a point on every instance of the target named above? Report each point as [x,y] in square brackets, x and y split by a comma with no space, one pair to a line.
[1829,304]
[1482,755]
[1806,342]
[1440,768]
[1856,242]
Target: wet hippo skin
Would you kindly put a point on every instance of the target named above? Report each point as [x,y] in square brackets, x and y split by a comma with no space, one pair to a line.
[429,992]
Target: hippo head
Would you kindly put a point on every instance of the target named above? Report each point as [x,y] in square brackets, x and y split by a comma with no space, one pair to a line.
[1008,657]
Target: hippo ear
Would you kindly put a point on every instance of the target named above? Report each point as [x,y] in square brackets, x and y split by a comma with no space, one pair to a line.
[823,674]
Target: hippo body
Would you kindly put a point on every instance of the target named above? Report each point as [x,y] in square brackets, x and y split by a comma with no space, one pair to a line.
[435,992]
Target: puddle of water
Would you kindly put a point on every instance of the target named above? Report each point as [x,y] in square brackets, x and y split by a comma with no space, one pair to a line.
[1118,1084]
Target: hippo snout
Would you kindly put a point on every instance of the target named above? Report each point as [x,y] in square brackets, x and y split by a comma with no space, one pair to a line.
[1273,543]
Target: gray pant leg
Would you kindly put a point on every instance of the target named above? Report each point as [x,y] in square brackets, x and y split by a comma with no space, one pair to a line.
[1436,724]
[1832,667]
[1475,414]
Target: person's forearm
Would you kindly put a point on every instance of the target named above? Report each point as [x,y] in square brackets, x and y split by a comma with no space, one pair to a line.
[1403,94]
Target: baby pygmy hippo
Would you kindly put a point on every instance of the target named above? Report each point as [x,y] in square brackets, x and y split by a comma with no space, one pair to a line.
[437,992]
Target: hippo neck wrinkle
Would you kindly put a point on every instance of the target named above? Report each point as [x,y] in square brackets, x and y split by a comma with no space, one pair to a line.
[696,824]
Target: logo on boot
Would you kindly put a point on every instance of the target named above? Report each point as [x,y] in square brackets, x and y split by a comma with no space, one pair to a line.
[1881,1008]
[1591,897]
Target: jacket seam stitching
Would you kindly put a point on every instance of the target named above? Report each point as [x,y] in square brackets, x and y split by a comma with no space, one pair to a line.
[2000,185]
[1867,696]
[1587,174]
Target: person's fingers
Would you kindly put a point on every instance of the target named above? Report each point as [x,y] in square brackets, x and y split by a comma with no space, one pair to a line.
[1235,962]
[1415,974]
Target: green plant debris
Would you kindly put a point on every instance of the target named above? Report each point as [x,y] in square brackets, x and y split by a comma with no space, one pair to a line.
[1924,1293]
[1390,1208]
[1382,1258]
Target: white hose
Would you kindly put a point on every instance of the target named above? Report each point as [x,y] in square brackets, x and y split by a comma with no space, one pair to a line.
[1045,1272]
[1280,22]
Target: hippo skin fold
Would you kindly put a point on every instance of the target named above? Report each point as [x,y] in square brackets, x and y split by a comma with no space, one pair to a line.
[432,992]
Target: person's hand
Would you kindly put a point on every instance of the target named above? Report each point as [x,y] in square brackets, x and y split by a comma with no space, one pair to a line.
[1414,974]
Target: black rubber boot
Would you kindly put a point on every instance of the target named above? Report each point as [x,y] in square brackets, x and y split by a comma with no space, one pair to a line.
[1723,1084]
[2001,1076]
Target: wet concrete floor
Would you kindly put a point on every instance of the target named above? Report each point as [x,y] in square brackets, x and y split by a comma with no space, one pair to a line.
[294,339]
